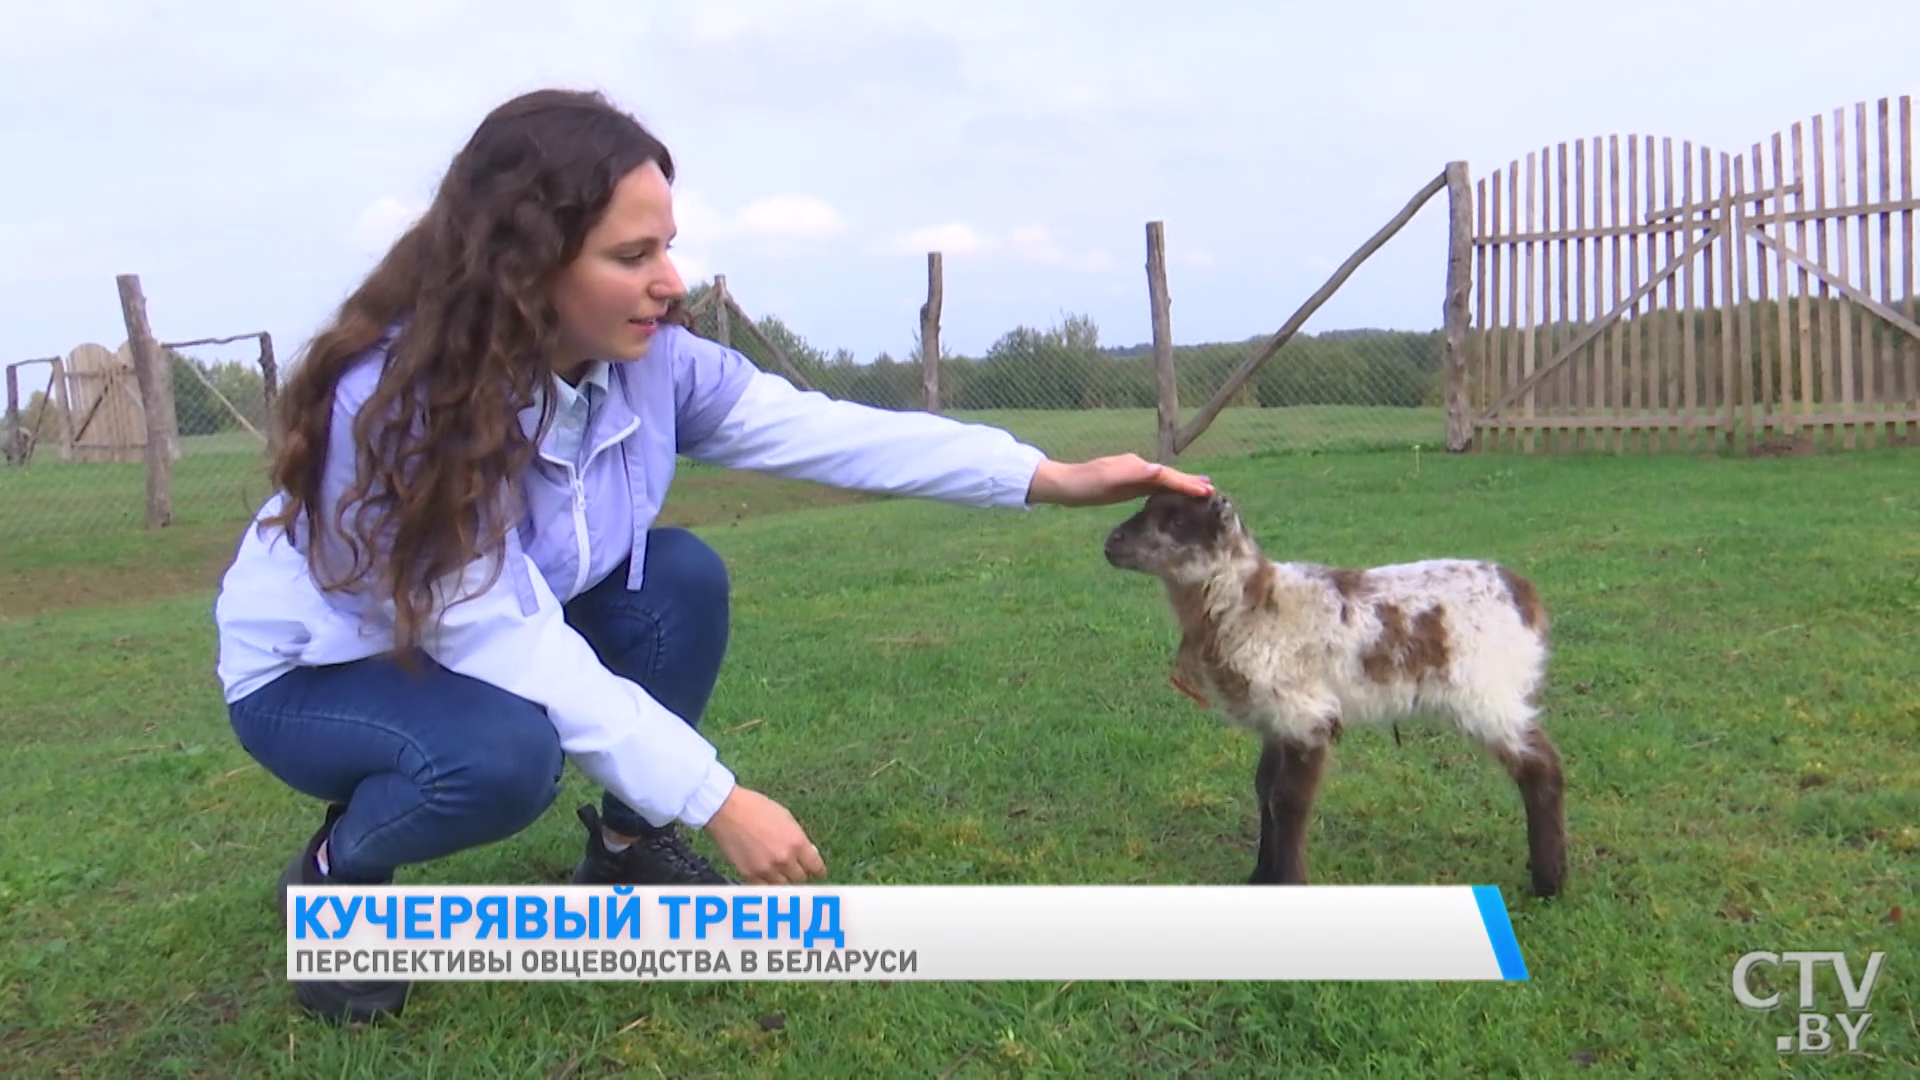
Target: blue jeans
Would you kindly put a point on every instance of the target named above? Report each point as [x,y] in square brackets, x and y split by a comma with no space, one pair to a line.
[432,763]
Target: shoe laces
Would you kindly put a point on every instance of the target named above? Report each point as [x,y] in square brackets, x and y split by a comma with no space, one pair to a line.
[668,846]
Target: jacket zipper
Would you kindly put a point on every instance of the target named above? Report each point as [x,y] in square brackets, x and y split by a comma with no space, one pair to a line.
[580,505]
[580,529]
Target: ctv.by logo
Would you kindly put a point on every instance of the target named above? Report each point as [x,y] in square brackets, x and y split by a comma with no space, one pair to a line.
[1813,1036]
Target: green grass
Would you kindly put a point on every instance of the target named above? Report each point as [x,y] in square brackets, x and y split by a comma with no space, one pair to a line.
[74,533]
[104,555]
[221,478]
[953,696]
[216,478]
[1235,432]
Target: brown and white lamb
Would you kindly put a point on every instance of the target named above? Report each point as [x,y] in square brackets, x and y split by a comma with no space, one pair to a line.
[1292,651]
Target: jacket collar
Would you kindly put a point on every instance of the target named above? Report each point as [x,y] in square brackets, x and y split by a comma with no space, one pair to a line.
[612,415]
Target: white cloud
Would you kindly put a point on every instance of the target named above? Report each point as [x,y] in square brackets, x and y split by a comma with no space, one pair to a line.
[1036,244]
[949,238]
[786,216]
[1028,243]
[453,101]
[381,223]
[693,268]
[697,218]
[790,216]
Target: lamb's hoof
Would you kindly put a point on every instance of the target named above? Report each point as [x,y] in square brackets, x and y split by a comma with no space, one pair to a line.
[1548,881]
[1262,877]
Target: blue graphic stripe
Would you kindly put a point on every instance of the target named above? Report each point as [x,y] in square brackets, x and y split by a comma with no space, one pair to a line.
[1506,948]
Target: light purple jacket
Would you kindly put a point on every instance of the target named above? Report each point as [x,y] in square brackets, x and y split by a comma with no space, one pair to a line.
[687,396]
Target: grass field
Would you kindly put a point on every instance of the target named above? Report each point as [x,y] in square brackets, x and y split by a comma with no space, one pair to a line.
[221,479]
[1235,432]
[952,696]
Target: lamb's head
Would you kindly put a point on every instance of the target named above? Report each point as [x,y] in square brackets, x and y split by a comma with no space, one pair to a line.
[1180,538]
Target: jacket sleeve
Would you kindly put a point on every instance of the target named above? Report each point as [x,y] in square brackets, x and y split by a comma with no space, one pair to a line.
[512,634]
[735,415]
[609,726]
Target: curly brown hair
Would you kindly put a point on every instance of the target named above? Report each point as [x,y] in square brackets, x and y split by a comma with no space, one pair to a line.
[438,445]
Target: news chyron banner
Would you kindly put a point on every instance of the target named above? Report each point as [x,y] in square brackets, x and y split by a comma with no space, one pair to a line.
[887,932]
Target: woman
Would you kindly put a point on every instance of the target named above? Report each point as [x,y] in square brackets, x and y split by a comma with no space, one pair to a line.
[458,585]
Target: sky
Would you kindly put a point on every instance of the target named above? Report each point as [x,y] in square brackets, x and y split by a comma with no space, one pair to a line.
[251,160]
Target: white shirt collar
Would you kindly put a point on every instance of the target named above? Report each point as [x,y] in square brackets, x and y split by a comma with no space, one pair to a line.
[596,376]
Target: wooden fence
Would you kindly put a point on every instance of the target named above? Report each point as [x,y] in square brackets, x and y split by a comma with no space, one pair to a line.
[1633,294]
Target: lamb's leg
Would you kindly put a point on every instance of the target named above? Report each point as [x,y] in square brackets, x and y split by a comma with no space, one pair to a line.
[1286,782]
[1264,776]
[1535,767]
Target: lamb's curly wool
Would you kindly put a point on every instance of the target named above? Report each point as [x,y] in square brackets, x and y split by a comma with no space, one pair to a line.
[1293,651]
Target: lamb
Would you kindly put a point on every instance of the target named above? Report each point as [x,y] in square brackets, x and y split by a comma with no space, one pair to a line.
[1292,651]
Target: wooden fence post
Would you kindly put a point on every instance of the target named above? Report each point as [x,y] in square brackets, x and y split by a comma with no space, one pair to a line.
[16,444]
[722,333]
[269,390]
[155,375]
[930,332]
[57,391]
[1169,386]
[1456,312]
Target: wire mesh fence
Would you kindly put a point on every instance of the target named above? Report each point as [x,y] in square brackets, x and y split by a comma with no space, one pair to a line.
[1342,390]
[1064,389]
[75,438]
[75,433]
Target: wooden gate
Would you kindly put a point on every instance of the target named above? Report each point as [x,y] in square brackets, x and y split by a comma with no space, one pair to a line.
[1634,294]
[109,420]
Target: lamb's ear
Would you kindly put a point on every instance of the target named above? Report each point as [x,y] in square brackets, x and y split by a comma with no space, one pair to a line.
[1223,517]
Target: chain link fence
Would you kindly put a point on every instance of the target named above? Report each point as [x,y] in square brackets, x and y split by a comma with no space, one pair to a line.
[75,433]
[1341,390]
[75,444]
[1064,389]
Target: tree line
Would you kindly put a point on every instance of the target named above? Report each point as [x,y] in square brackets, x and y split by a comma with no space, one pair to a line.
[1064,366]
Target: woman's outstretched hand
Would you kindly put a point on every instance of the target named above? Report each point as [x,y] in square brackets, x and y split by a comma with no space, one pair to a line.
[762,841]
[1107,480]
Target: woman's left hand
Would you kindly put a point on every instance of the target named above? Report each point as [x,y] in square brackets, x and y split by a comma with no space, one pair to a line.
[1107,480]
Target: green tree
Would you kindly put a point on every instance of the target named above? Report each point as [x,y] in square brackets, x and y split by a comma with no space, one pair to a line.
[198,409]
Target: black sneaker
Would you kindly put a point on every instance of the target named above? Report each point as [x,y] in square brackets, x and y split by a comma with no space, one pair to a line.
[658,857]
[352,1002]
